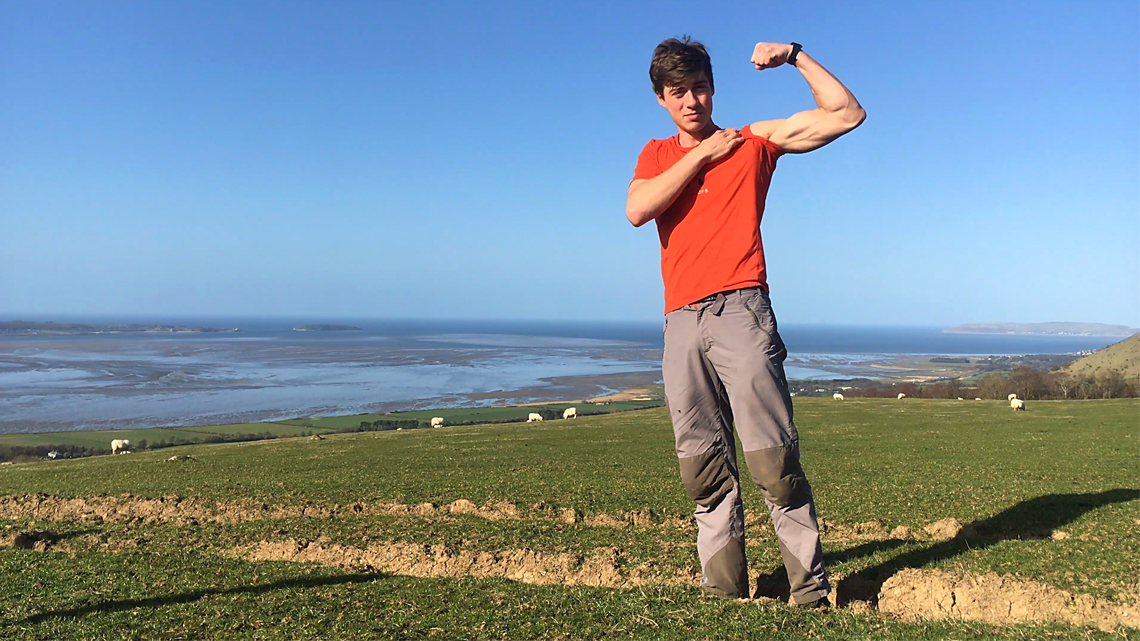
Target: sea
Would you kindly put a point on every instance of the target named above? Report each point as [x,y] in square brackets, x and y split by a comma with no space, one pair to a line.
[268,371]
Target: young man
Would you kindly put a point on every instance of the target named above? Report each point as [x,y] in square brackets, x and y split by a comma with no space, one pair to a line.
[723,362]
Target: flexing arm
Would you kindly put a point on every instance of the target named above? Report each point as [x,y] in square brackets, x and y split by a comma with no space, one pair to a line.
[648,198]
[837,111]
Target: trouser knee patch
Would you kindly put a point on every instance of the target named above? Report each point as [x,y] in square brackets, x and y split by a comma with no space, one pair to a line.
[708,478]
[777,471]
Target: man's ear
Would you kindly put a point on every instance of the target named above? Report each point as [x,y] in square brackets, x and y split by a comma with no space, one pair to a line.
[661,100]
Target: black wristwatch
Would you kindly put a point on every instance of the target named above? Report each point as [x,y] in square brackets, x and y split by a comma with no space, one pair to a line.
[796,48]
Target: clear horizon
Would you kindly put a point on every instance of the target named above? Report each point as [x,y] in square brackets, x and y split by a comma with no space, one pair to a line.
[189,319]
[373,160]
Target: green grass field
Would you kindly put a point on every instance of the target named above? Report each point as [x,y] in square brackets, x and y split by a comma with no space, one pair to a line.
[557,496]
[295,427]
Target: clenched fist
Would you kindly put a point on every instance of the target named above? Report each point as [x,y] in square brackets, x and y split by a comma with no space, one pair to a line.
[770,54]
[720,144]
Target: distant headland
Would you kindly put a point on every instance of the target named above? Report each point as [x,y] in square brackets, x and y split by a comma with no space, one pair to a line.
[326,328]
[65,329]
[1048,329]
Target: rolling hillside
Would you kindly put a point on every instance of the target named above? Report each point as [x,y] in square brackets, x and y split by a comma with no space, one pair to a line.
[1123,357]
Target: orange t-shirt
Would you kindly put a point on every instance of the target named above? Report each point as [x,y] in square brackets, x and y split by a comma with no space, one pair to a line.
[710,235]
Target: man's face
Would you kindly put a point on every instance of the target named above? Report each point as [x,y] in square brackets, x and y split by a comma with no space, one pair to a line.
[690,104]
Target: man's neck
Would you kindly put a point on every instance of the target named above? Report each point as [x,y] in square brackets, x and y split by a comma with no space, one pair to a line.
[692,140]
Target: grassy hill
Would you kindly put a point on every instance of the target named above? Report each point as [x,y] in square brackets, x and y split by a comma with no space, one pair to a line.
[1123,357]
[574,530]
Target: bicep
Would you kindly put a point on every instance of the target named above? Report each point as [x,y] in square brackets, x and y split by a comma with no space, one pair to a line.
[808,131]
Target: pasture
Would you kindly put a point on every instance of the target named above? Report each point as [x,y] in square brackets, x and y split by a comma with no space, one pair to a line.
[581,529]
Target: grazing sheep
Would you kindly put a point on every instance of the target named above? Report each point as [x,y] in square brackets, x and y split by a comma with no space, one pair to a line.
[837,396]
[961,399]
[533,418]
[1017,404]
[120,445]
[54,454]
[571,412]
[901,396]
[437,421]
[977,399]
[1011,397]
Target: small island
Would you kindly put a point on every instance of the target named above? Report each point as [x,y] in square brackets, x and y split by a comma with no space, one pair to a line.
[72,329]
[326,328]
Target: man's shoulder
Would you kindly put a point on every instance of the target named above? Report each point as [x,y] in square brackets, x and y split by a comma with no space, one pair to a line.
[657,143]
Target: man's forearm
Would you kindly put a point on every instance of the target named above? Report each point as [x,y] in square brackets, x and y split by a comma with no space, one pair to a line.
[649,199]
[830,94]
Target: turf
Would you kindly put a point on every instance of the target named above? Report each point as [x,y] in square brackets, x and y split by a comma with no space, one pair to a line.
[1062,465]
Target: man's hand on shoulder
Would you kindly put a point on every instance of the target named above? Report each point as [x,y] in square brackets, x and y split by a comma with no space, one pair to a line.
[770,54]
[719,145]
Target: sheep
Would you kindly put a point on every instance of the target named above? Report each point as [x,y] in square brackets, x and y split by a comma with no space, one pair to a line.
[837,396]
[534,418]
[54,454]
[1011,397]
[901,396]
[120,446]
[571,412]
[977,399]
[1017,404]
[437,421]
[961,399]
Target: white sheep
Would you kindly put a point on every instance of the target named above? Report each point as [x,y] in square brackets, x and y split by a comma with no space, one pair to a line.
[837,396]
[961,399]
[571,412]
[533,418]
[1011,397]
[901,396]
[437,421]
[120,445]
[1017,404]
[977,399]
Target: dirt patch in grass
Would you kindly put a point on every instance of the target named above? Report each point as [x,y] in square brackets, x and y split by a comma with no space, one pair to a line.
[38,540]
[993,598]
[166,509]
[182,510]
[602,568]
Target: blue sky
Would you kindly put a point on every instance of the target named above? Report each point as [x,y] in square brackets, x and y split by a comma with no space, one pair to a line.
[471,160]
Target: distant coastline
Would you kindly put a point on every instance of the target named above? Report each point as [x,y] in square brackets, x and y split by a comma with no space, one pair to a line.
[71,329]
[1044,329]
[326,328]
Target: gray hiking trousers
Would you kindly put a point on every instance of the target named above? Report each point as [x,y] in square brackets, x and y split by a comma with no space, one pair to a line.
[723,367]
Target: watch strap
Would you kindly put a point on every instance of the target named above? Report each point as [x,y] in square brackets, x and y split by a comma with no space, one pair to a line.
[796,48]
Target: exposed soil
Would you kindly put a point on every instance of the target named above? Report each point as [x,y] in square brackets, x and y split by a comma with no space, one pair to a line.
[39,540]
[944,530]
[934,594]
[166,509]
[602,568]
[182,510]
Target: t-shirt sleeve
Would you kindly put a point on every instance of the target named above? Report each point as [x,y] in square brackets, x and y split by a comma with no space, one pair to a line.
[647,165]
[772,149]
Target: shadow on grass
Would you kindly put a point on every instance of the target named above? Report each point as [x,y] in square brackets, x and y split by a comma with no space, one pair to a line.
[189,597]
[44,539]
[1031,519]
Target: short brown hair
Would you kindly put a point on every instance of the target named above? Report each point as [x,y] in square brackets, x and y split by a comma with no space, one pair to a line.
[675,61]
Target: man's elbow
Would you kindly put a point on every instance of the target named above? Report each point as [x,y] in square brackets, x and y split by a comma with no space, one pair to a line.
[853,117]
[636,217]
